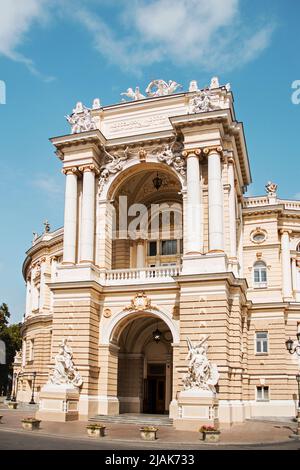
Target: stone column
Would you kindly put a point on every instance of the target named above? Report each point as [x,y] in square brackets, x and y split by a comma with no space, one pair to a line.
[87,226]
[70,219]
[286,265]
[193,226]
[294,276]
[53,268]
[232,209]
[28,297]
[215,199]
[140,254]
[43,286]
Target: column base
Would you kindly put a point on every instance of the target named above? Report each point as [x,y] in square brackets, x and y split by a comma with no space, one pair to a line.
[201,264]
[109,405]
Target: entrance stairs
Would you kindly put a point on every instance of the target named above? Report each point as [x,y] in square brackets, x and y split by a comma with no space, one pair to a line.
[138,419]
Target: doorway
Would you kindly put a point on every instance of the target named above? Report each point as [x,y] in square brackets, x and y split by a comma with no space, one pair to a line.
[155,389]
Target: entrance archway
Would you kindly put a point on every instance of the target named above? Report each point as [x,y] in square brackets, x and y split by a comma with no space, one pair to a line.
[143,367]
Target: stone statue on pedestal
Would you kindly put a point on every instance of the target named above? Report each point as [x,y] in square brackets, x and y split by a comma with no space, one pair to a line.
[81,120]
[64,369]
[202,375]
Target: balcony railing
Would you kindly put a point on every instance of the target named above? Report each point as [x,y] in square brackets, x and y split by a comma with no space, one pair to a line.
[257,201]
[144,275]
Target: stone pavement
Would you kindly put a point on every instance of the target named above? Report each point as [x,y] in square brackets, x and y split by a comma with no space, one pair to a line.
[250,432]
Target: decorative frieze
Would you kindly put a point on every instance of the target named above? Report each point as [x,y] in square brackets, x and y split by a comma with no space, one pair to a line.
[170,154]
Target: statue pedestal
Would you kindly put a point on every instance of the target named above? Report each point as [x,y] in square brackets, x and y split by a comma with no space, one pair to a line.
[58,403]
[195,408]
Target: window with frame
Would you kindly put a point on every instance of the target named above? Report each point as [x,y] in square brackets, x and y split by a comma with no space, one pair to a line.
[152,248]
[260,274]
[169,247]
[261,342]
[262,393]
[298,248]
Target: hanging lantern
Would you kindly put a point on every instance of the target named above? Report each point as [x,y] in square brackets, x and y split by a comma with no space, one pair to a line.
[156,335]
[157,182]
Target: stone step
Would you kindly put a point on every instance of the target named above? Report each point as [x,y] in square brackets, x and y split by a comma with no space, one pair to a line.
[138,419]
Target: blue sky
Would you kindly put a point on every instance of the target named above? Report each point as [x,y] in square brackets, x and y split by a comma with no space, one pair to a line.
[56,52]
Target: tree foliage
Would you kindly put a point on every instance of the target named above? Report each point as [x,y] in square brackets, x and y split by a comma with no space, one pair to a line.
[11,336]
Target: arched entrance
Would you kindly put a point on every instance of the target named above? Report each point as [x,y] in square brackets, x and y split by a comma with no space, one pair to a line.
[142,366]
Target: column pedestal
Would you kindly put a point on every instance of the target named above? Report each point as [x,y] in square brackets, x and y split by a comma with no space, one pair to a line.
[203,264]
[195,409]
[58,403]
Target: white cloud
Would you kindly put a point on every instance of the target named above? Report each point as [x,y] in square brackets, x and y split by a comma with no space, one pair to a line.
[48,184]
[208,34]
[17,17]
[211,34]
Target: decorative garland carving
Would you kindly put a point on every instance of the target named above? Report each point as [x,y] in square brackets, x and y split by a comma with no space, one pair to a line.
[170,154]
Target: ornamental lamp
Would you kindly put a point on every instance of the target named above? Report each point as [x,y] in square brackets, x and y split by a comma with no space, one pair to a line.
[298,378]
[156,335]
[289,345]
[157,182]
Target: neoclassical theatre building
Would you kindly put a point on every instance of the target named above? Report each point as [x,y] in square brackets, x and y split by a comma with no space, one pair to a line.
[160,249]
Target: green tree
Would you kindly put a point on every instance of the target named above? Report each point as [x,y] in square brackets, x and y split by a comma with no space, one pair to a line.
[11,336]
[4,316]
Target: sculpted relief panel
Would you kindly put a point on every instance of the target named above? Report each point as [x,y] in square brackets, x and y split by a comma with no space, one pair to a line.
[124,126]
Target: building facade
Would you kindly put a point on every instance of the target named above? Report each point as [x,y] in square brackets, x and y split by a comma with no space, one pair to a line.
[159,238]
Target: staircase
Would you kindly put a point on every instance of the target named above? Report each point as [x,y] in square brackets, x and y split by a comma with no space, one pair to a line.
[138,419]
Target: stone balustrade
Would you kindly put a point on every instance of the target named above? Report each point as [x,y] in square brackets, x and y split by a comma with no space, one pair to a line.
[264,201]
[144,275]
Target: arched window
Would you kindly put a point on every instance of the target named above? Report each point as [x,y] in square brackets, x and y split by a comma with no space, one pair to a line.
[260,274]
[298,248]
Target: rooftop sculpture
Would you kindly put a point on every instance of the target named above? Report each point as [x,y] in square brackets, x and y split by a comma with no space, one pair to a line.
[81,119]
[271,188]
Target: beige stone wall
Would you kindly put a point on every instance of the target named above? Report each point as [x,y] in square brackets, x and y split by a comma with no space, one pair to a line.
[38,331]
[213,309]
[120,253]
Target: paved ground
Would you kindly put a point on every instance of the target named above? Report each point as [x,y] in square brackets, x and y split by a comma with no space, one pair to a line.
[22,440]
[52,435]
